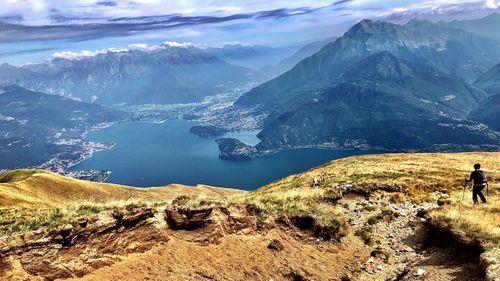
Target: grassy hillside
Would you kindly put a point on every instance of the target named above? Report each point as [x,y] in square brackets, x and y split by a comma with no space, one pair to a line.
[34,199]
[414,173]
[413,177]
[42,189]
[368,203]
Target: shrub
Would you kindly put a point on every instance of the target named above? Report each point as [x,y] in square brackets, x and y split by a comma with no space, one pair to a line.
[182,200]
[365,234]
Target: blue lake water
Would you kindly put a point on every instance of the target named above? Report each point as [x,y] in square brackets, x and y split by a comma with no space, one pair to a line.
[148,154]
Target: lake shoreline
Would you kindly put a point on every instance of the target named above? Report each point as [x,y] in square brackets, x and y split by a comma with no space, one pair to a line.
[164,153]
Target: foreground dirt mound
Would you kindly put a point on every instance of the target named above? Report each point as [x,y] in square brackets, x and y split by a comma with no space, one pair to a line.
[209,225]
[76,250]
[174,239]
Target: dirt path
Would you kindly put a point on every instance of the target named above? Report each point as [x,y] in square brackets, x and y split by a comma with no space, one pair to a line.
[400,244]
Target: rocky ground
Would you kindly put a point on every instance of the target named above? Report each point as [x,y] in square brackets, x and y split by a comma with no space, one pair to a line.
[402,247]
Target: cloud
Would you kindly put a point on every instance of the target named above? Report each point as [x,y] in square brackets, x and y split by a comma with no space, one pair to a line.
[107,3]
[23,52]
[491,4]
[142,46]
[178,44]
[207,21]
[439,9]
[87,26]
[69,55]
[11,18]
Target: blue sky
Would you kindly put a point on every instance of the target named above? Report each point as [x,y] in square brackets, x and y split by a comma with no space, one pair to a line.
[33,30]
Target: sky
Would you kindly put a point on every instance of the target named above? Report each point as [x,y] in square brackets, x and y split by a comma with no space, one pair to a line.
[34,30]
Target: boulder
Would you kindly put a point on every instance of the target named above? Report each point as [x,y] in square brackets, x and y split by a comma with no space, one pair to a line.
[276,245]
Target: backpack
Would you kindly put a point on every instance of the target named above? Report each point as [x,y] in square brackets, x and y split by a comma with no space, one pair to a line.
[479,177]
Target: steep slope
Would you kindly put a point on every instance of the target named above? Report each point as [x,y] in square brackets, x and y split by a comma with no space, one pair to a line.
[167,75]
[488,112]
[269,72]
[383,102]
[487,26]
[440,91]
[490,80]
[304,52]
[450,50]
[35,127]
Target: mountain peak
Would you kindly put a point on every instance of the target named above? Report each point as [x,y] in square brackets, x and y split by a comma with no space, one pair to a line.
[369,27]
[364,25]
[10,88]
[6,66]
[493,15]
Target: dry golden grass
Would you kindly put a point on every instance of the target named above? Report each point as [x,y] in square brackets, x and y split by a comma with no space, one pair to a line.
[19,220]
[43,189]
[30,200]
[58,199]
[416,174]
[482,220]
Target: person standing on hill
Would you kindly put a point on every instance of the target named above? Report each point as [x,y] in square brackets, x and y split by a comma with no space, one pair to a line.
[480,182]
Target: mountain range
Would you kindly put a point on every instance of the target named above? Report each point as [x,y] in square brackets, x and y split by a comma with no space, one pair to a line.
[381,85]
[35,127]
[488,111]
[421,85]
[164,76]
[452,51]
[487,26]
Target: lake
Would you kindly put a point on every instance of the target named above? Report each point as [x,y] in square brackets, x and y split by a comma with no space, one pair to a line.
[157,154]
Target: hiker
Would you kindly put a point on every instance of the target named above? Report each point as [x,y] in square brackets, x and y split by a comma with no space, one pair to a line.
[480,181]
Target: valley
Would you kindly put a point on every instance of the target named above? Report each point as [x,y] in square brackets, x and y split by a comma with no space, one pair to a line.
[380,86]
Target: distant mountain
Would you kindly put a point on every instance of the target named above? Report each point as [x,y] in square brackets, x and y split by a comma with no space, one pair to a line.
[168,75]
[269,72]
[488,112]
[250,56]
[487,26]
[304,52]
[34,126]
[383,102]
[452,51]
[490,81]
